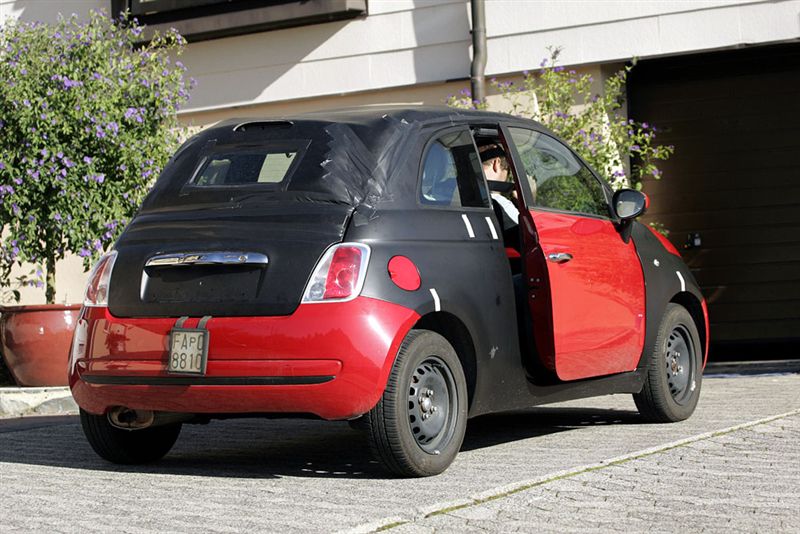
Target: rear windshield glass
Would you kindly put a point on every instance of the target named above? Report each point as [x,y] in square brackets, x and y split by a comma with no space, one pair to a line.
[246,166]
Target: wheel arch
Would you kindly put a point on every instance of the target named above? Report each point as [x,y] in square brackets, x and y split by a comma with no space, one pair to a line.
[695,308]
[457,334]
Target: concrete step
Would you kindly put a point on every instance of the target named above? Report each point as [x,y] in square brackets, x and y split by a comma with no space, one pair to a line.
[19,402]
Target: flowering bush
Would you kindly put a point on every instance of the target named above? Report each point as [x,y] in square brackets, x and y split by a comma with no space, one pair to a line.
[87,120]
[593,125]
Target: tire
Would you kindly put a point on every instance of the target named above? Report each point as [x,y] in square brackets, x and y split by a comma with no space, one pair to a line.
[418,425]
[674,370]
[128,446]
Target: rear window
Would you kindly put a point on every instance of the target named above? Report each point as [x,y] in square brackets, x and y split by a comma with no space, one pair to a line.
[242,166]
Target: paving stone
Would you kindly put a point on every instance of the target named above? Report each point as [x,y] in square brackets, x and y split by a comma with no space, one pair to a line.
[301,476]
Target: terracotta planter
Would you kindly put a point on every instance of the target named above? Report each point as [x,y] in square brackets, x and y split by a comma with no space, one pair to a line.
[36,341]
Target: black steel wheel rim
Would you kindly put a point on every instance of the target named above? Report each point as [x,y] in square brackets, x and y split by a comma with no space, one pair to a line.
[679,359]
[432,405]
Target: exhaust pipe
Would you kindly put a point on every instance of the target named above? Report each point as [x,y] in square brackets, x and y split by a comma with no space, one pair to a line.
[128,419]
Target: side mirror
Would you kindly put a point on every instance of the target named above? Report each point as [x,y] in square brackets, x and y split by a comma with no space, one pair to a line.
[629,204]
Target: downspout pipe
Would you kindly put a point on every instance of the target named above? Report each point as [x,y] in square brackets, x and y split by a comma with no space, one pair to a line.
[478,67]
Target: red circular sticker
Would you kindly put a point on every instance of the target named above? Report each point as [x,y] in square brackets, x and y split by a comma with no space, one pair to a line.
[404,273]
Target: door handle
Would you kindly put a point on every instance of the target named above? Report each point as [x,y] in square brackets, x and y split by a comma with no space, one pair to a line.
[559,257]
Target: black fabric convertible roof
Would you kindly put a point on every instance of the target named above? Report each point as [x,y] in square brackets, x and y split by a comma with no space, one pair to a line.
[351,158]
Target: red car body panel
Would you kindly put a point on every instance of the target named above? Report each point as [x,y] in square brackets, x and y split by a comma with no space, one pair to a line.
[353,342]
[597,297]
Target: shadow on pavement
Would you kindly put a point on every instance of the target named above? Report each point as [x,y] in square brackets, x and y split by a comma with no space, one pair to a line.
[273,448]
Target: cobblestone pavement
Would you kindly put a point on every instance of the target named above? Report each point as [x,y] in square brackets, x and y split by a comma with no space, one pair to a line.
[744,480]
[582,465]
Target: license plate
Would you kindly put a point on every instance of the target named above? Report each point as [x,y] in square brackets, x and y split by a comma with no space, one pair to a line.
[188,351]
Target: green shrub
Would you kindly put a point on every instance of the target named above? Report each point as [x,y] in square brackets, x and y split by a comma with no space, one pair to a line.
[87,120]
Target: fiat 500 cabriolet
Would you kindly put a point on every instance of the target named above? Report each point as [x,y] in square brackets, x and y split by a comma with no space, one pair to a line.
[359,265]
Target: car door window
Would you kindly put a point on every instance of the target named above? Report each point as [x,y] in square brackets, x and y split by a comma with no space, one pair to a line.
[451,173]
[557,178]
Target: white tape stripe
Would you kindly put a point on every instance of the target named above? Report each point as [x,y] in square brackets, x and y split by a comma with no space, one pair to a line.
[437,305]
[491,227]
[468,225]
[683,282]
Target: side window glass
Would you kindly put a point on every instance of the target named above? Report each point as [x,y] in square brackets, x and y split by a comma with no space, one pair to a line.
[451,173]
[558,179]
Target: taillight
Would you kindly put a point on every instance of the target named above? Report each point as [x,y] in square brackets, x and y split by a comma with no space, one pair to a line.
[99,279]
[339,275]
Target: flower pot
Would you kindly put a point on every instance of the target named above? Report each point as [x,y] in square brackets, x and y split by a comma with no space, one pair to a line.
[35,342]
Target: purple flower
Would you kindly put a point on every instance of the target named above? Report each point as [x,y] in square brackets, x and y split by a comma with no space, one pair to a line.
[99,178]
[87,160]
[84,253]
[645,125]
[635,148]
[100,133]
[15,207]
[2,165]
[57,217]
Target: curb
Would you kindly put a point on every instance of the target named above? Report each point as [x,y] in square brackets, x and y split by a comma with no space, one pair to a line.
[20,402]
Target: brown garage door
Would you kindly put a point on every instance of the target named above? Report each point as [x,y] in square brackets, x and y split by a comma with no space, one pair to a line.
[734,118]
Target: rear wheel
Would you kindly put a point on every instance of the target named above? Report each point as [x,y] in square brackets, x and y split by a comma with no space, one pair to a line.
[418,425]
[128,446]
[674,370]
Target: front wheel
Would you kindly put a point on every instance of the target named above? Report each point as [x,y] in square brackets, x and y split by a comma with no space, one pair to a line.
[418,425]
[674,370]
[128,446]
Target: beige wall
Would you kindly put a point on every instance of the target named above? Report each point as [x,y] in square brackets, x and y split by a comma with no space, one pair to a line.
[403,43]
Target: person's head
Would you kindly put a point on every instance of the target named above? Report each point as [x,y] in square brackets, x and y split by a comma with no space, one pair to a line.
[495,162]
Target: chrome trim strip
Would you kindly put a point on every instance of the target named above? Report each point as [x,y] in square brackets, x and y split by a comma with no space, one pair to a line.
[207,258]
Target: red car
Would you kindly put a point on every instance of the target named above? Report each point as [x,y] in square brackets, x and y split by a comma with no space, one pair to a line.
[404,269]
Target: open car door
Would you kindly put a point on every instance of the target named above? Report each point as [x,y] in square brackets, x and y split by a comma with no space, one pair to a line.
[585,284]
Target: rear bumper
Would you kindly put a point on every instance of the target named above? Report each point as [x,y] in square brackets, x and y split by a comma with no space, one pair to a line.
[331,360]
